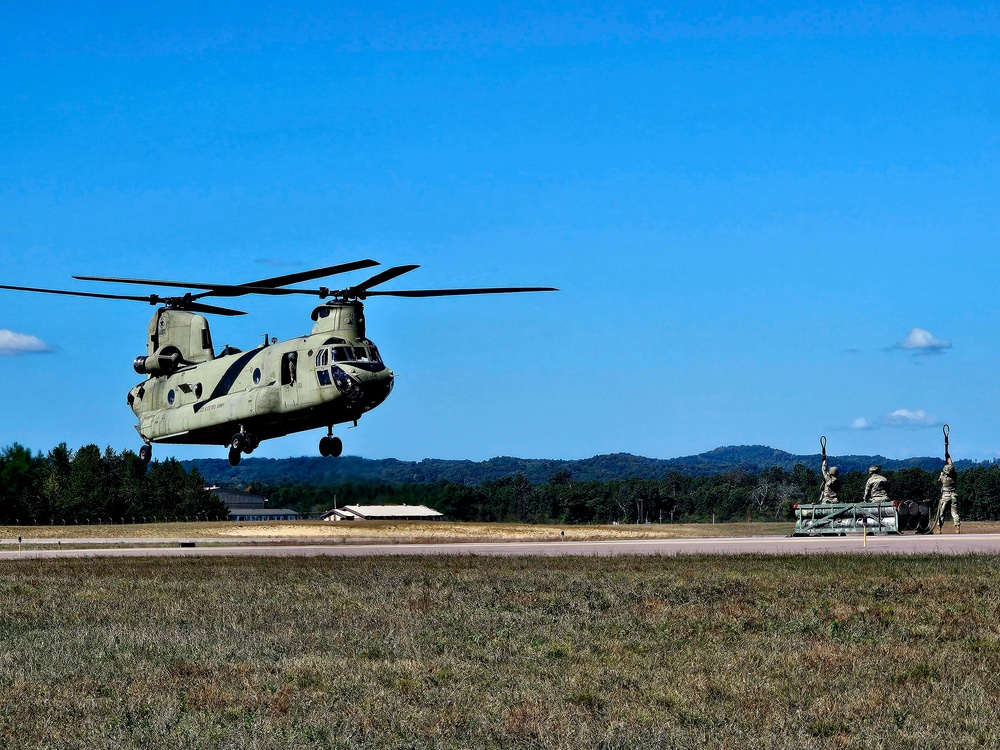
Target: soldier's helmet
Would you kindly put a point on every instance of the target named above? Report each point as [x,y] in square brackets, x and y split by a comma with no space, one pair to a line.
[834,471]
[949,468]
[874,469]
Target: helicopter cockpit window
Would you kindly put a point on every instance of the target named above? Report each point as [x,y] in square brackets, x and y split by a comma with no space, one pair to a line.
[324,377]
[353,354]
[342,353]
[322,358]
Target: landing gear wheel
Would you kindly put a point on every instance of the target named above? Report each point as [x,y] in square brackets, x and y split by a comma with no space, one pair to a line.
[146,454]
[234,457]
[325,447]
[238,444]
[336,446]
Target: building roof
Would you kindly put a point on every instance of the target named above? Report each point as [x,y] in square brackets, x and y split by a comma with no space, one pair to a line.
[237,499]
[382,513]
[338,514]
[372,512]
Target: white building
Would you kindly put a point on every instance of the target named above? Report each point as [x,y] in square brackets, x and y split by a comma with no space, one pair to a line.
[382,513]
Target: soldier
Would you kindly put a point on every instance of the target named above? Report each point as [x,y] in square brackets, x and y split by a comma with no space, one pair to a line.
[831,479]
[948,480]
[875,491]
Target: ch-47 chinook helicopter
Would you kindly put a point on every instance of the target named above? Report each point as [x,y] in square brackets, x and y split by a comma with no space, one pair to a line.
[236,399]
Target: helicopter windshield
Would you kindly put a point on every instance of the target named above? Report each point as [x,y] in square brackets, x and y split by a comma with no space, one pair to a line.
[355,354]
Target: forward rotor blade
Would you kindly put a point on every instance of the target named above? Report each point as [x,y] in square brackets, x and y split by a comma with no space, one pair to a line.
[295,278]
[358,291]
[459,292]
[380,278]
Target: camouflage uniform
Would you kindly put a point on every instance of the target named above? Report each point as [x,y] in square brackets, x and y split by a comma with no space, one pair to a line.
[831,484]
[875,491]
[948,495]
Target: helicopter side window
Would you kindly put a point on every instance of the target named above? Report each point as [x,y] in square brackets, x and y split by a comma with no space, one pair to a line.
[324,377]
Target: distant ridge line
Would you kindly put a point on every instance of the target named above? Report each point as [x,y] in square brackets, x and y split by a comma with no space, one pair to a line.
[317,471]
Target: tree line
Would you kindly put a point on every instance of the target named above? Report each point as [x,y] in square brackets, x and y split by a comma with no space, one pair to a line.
[730,496]
[91,486]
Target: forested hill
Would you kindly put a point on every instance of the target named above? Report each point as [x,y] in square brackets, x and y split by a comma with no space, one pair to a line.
[318,471]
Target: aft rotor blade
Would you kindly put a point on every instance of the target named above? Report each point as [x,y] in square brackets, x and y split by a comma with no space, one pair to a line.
[213,290]
[264,286]
[317,273]
[459,292]
[149,300]
[152,299]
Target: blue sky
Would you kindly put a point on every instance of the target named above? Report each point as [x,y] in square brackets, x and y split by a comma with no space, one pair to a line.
[770,221]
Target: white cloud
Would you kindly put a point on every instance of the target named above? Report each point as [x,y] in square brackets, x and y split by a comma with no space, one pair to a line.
[907,418]
[861,424]
[920,341]
[21,343]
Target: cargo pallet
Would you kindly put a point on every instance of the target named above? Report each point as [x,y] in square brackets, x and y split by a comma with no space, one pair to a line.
[841,519]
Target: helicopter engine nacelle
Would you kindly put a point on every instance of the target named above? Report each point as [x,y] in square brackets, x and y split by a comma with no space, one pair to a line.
[163,361]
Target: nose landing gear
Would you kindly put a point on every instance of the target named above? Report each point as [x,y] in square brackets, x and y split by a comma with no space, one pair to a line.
[330,445]
[146,454]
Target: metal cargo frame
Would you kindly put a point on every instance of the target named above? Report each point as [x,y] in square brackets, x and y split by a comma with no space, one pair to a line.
[841,519]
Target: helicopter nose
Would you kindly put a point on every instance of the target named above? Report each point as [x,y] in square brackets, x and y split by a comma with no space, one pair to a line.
[378,389]
[360,384]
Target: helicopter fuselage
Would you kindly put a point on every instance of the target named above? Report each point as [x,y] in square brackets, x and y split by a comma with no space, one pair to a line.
[332,376]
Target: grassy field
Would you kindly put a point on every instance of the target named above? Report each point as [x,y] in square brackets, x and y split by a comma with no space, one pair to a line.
[749,652]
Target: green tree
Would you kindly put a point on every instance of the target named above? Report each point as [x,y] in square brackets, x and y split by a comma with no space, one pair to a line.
[20,485]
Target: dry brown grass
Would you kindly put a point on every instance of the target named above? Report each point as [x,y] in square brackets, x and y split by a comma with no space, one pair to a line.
[422,532]
[406,531]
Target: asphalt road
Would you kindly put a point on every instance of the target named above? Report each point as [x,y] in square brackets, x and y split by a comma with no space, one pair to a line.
[875,545]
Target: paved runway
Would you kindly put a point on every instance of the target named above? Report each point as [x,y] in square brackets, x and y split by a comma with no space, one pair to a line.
[905,545]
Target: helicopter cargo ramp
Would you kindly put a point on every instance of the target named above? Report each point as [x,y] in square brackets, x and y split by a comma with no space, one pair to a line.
[841,519]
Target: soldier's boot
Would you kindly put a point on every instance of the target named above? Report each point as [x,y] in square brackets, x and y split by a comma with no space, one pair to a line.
[958,528]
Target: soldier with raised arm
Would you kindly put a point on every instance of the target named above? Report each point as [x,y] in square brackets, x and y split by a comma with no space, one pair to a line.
[831,478]
[948,480]
[875,487]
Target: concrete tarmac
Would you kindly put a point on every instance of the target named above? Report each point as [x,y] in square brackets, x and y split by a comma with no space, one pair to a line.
[950,544]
